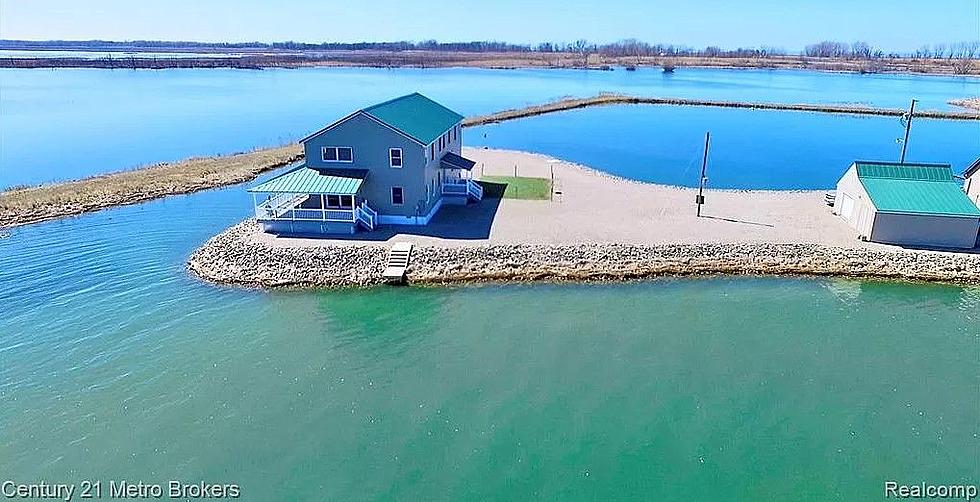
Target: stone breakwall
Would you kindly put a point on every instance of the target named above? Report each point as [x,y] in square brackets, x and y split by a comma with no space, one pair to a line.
[232,258]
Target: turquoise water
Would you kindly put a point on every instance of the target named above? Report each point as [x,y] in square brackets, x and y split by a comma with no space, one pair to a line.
[115,363]
[715,389]
[69,123]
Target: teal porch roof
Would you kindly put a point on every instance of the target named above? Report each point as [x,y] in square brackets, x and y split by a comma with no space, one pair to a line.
[307,180]
[415,115]
[914,188]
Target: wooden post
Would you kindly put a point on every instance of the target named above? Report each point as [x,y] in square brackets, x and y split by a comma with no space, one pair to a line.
[908,129]
[551,188]
[704,166]
[515,169]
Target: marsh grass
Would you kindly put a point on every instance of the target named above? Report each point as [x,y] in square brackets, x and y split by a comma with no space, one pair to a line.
[23,205]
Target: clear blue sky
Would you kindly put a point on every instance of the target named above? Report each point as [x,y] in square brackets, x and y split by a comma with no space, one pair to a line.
[899,25]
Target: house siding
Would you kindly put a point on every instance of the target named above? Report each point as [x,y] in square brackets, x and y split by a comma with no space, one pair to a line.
[434,175]
[370,141]
[925,230]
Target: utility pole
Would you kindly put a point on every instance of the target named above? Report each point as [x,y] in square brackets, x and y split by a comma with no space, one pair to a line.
[908,129]
[551,188]
[704,166]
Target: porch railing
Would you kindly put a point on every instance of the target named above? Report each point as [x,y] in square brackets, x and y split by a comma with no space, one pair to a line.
[469,188]
[454,187]
[366,216]
[474,189]
[263,212]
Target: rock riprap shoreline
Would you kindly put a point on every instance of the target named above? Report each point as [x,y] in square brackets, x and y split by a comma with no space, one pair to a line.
[234,258]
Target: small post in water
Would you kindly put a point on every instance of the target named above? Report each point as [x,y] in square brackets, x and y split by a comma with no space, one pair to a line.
[704,166]
[908,129]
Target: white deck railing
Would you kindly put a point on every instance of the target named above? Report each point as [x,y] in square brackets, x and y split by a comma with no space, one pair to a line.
[463,187]
[454,187]
[365,215]
[474,189]
[283,207]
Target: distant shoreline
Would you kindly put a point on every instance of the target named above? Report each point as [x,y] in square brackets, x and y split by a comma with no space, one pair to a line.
[246,59]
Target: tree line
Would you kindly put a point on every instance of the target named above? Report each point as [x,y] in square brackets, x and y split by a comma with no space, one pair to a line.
[628,47]
[863,50]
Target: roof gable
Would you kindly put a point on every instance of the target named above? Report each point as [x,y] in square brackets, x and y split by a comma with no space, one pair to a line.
[416,116]
[973,169]
[914,188]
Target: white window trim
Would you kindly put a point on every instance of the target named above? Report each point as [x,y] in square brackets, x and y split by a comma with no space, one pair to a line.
[401,158]
[323,154]
[392,193]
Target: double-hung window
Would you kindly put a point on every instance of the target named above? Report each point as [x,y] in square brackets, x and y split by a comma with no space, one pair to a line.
[397,196]
[395,157]
[339,202]
[338,154]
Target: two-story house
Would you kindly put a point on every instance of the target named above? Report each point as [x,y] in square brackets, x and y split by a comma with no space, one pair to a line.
[394,163]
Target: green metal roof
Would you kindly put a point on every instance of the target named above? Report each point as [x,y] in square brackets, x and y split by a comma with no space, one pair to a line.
[415,115]
[307,180]
[914,188]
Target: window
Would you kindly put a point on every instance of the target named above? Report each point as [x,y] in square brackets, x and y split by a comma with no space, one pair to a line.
[432,150]
[395,157]
[333,201]
[346,201]
[397,196]
[338,154]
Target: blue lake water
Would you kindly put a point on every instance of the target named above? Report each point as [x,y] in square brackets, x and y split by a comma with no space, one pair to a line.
[749,148]
[115,363]
[119,119]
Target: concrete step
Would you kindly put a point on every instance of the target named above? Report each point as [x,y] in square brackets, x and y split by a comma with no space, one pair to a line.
[399,257]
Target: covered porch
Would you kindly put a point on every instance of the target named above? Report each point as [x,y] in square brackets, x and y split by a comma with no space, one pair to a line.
[307,200]
[458,179]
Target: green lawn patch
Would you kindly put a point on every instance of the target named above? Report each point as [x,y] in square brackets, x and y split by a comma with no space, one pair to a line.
[517,187]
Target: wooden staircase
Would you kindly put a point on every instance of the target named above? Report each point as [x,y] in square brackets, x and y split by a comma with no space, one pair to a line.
[398,258]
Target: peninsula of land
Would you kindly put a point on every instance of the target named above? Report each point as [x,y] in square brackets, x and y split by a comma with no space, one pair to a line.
[596,227]
[421,58]
[25,205]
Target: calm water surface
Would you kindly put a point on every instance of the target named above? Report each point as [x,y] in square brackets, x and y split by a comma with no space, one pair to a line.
[115,363]
[119,119]
[749,148]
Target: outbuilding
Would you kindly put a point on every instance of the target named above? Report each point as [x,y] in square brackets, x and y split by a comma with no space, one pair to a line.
[907,204]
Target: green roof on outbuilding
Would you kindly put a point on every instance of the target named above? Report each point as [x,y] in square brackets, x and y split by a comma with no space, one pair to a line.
[415,115]
[914,188]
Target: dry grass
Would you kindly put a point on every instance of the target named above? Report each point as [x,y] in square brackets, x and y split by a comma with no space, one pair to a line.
[21,206]
[972,103]
[436,59]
